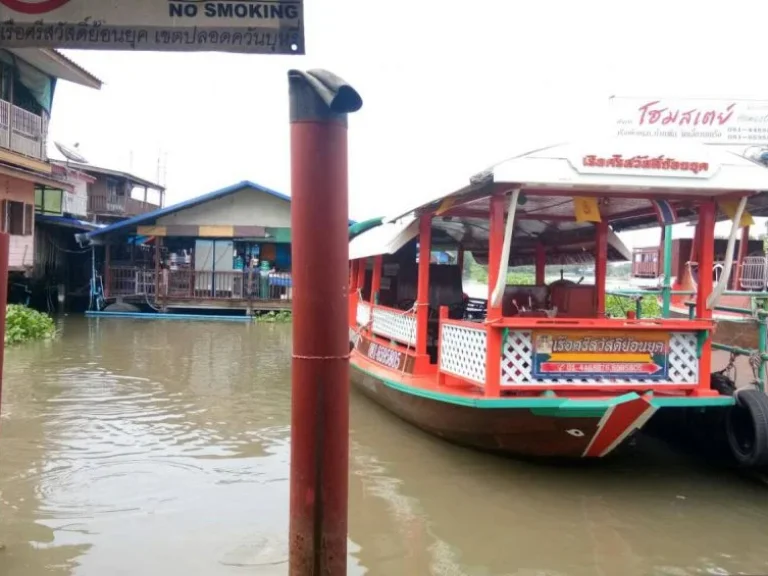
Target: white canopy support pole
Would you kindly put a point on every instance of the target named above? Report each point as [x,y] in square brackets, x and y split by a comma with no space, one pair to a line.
[722,284]
[501,279]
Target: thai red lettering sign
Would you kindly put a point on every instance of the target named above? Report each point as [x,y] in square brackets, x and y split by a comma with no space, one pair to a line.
[255,26]
[642,165]
[732,122]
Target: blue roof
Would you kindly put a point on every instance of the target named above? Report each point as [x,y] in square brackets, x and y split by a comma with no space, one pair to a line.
[137,220]
[66,221]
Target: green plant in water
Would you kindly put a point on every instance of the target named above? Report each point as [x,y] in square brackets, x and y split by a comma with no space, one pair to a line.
[23,324]
[274,317]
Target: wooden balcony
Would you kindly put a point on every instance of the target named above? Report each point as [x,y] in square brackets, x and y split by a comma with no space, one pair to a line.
[119,205]
[21,131]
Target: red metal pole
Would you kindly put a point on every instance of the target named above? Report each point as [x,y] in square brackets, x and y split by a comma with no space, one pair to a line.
[493,342]
[319,104]
[705,233]
[422,287]
[601,265]
[4,244]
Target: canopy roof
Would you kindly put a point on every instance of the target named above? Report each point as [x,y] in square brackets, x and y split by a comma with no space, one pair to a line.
[568,246]
[625,174]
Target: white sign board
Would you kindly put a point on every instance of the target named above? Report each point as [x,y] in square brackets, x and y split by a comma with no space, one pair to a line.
[643,165]
[730,122]
[255,26]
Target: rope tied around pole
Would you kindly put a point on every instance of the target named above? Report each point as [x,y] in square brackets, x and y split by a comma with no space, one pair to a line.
[304,357]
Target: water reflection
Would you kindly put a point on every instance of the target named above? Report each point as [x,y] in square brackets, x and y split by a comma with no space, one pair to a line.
[436,509]
[150,447]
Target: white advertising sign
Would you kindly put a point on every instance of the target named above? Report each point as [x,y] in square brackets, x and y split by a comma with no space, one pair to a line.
[255,26]
[731,122]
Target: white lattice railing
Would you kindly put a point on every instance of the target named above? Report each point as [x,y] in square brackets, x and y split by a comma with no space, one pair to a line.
[517,363]
[399,325]
[463,351]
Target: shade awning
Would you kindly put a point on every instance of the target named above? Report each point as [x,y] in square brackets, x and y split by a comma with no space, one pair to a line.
[385,239]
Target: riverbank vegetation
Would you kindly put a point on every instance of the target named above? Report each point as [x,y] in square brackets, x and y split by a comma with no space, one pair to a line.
[274,317]
[23,324]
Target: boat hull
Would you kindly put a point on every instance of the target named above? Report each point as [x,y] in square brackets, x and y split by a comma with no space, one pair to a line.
[522,432]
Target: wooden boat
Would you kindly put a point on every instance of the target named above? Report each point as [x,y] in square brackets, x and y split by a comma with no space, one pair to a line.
[546,373]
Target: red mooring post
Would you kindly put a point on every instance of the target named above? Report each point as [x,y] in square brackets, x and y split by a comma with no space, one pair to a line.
[319,104]
[5,241]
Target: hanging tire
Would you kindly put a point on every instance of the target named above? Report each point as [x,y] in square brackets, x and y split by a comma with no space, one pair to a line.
[746,427]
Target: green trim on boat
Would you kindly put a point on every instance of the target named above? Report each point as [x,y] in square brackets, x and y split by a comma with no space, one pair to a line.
[554,406]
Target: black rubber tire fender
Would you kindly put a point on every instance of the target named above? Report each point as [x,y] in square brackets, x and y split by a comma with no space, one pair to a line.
[749,417]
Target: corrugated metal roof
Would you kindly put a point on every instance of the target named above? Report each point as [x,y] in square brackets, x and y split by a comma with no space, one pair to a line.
[89,169]
[149,216]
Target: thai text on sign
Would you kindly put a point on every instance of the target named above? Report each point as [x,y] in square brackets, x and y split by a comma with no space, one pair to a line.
[264,27]
[585,355]
[707,121]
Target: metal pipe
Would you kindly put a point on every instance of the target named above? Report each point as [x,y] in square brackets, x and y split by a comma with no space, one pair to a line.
[319,104]
[666,299]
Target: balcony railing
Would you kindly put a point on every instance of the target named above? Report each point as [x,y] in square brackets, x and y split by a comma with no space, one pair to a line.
[191,285]
[21,131]
[119,205]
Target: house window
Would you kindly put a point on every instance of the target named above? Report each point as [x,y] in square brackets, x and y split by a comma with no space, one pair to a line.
[18,218]
[48,200]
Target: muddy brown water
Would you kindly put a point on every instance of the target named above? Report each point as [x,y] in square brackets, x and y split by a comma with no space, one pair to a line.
[162,448]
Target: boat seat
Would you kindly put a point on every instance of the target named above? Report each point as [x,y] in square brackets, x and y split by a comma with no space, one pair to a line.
[574,300]
[527,296]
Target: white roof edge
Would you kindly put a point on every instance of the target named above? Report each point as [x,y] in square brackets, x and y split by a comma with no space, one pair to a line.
[56,64]
[387,238]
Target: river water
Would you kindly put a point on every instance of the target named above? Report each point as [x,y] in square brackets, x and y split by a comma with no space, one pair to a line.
[162,448]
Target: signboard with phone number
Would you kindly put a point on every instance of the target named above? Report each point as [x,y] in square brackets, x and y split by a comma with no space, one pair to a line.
[587,355]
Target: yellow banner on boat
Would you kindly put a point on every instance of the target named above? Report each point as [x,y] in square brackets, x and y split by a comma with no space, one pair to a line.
[445,205]
[586,209]
[729,208]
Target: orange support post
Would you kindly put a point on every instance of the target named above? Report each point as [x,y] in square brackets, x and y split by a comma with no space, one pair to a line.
[705,233]
[541,264]
[601,265]
[494,343]
[441,375]
[353,293]
[378,264]
[422,294]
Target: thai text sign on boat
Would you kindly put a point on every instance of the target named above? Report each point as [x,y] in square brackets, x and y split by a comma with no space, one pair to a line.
[583,355]
[268,27]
